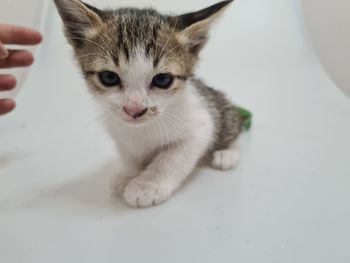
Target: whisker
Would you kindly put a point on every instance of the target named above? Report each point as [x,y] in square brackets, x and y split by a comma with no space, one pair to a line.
[163,128]
[160,132]
[94,55]
[168,40]
[174,116]
[173,49]
[107,117]
[172,125]
[91,41]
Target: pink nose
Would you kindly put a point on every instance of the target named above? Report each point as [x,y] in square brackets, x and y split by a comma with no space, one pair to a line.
[135,111]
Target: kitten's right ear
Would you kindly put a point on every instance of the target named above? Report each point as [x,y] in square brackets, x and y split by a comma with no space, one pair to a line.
[78,19]
[194,26]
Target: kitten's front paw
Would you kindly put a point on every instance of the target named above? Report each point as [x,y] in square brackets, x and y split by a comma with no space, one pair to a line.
[119,183]
[141,193]
[225,159]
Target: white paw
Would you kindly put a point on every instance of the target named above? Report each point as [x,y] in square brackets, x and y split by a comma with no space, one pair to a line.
[119,183]
[141,193]
[225,159]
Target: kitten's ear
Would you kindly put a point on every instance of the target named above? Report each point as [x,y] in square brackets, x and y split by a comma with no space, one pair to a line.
[194,27]
[78,19]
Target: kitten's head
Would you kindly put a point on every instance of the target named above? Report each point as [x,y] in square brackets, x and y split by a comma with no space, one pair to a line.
[136,62]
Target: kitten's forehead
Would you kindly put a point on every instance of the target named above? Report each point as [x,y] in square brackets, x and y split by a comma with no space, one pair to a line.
[132,29]
[130,35]
[137,71]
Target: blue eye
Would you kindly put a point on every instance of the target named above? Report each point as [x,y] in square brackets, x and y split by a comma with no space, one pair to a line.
[109,78]
[162,81]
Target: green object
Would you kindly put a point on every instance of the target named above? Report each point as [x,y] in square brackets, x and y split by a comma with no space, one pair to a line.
[247,117]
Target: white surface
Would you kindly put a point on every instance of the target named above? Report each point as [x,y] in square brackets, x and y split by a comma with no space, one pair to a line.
[286,202]
[329,26]
[22,13]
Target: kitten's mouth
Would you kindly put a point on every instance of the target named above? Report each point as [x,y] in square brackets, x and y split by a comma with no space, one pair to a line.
[137,121]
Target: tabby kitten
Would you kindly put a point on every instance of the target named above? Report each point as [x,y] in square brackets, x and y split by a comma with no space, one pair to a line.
[139,66]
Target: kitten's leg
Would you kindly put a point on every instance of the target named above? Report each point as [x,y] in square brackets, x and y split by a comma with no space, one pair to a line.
[228,158]
[164,175]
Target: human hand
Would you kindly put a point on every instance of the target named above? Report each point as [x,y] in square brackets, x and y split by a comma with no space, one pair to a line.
[10,34]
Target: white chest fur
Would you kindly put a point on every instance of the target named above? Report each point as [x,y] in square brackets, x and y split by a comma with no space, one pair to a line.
[192,123]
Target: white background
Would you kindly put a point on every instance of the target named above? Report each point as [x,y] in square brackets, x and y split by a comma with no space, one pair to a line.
[329,26]
[286,202]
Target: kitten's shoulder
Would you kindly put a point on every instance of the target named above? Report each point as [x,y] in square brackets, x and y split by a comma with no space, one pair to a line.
[211,95]
[227,121]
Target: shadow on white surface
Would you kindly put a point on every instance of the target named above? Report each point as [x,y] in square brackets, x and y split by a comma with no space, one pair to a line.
[88,194]
[8,159]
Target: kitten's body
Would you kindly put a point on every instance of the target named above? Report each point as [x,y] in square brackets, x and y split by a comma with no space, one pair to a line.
[197,134]
[163,129]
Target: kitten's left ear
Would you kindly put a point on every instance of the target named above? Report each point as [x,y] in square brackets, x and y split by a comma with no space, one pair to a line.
[78,19]
[194,27]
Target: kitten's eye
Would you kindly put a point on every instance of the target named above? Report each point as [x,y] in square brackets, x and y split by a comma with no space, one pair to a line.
[109,78]
[163,81]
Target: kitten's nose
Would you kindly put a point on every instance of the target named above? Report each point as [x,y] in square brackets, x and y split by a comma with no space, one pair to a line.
[135,112]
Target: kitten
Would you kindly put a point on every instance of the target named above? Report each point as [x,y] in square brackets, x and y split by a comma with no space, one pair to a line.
[139,66]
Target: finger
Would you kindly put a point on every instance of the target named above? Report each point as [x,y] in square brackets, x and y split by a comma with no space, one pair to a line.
[7,82]
[3,51]
[17,58]
[6,105]
[10,34]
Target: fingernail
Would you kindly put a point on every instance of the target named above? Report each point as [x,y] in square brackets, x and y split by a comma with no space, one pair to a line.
[3,51]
